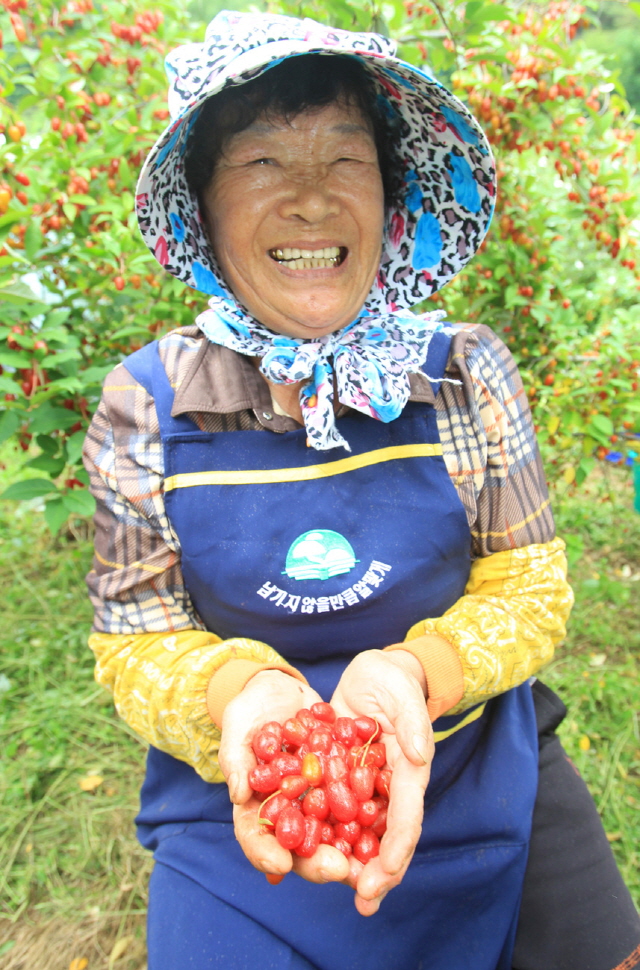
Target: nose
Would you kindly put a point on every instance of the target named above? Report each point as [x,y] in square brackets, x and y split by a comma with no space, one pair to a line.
[309,199]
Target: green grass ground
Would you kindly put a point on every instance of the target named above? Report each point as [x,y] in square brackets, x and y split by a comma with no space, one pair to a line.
[72,877]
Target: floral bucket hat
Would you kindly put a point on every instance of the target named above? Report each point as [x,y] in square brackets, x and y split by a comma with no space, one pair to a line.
[449,176]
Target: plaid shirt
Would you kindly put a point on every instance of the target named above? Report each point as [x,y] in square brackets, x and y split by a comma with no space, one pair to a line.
[136,585]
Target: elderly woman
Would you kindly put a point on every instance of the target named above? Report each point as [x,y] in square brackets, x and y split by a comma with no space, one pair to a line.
[315,494]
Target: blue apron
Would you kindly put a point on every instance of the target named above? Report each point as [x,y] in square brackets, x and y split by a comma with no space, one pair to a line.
[322,557]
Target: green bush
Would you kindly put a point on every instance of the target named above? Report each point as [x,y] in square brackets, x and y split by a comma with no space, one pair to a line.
[82,100]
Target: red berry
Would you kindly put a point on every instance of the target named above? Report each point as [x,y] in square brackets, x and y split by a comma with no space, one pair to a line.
[367,846]
[312,769]
[342,802]
[367,813]
[379,827]
[376,755]
[293,786]
[272,727]
[287,764]
[265,746]
[320,741]
[348,830]
[327,834]
[312,835]
[362,779]
[382,782]
[343,846]
[290,828]
[294,731]
[336,770]
[307,718]
[345,731]
[119,283]
[271,808]
[338,750]
[264,778]
[324,712]
[367,728]
[273,878]
[316,803]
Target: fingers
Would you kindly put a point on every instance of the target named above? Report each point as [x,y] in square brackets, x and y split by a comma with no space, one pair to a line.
[270,695]
[372,886]
[265,853]
[404,818]
[326,865]
[261,848]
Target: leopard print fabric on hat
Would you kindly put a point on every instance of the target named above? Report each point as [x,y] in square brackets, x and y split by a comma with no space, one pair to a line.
[449,172]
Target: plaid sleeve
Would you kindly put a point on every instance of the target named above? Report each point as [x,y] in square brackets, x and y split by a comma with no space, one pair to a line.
[136,583]
[490,446]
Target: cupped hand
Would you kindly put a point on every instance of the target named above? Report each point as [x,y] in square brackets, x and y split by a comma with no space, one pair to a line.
[390,687]
[271,695]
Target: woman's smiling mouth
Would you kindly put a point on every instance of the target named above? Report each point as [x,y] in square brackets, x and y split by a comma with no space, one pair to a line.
[294,258]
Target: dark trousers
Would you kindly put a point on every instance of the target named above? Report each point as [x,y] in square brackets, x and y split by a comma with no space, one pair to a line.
[576,912]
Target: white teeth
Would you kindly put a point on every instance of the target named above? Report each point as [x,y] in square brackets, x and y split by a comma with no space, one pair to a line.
[294,254]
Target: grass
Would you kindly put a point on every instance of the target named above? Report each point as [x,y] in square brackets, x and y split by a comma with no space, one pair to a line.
[72,876]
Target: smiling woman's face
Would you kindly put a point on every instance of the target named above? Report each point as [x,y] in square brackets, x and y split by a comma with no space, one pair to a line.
[295,213]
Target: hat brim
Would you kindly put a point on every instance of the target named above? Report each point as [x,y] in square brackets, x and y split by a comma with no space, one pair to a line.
[450,182]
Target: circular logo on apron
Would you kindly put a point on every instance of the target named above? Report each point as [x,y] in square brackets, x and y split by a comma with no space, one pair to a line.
[319,554]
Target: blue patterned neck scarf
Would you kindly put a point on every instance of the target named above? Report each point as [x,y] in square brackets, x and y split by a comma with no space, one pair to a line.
[371,360]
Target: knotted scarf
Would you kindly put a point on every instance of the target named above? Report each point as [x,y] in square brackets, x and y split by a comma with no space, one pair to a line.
[371,360]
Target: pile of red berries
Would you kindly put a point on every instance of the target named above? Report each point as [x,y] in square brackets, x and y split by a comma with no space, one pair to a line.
[323,779]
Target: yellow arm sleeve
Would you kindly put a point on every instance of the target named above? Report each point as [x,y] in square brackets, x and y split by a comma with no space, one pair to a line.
[507,624]
[171,688]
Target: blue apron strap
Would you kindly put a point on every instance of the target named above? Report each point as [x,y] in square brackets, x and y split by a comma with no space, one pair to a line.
[146,368]
[437,356]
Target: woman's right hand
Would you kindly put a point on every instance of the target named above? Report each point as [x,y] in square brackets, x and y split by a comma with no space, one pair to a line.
[271,695]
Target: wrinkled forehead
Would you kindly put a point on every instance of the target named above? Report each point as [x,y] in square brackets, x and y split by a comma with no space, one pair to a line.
[335,123]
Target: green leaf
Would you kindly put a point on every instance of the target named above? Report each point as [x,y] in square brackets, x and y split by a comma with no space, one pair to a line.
[82,200]
[74,446]
[13,358]
[57,316]
[45,463]
[21,294]
[80,502]
[96,374]
[32,240]
[9,424]
[56,513]
[586,465]
[48,445]
[28,489]
[601,424]
[492,11]
[49,418]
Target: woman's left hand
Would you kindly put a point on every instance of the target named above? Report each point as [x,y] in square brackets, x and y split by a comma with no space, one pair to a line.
[391,688]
